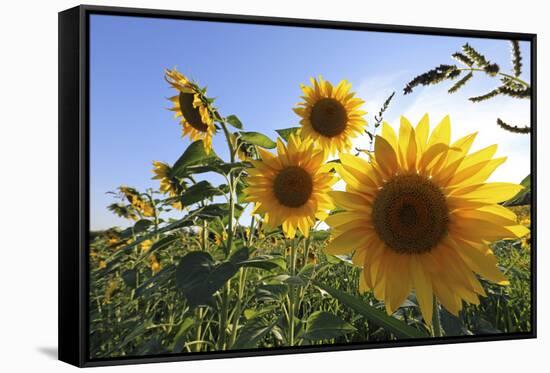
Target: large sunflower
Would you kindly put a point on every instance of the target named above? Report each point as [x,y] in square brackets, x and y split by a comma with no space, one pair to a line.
[192,106]
[421,216]
[168,184]
[290,188]
[330,115]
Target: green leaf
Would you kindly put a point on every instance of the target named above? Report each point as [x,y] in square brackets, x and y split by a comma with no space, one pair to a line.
[524,196]
[452,325]
[180,338]
[163,243]
[259,139]
[271,292]
[324,325]
[199,277]
[286,132]
[239,256]
[320,235]
[252,313]
[266,262]
[397,327]
[193,155]
[142,225]
[199,192]
[159,280]
[130,278]
[216,166]
[234,121]
[252,333]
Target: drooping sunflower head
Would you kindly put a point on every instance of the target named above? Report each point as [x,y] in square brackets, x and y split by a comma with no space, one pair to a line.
[331,116]
[421,215]
[140,204]
[154,263]
[290,188]
[124,211]
[168,184]
[192,107]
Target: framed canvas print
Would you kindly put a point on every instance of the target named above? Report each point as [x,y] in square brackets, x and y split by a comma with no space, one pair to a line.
[237,186]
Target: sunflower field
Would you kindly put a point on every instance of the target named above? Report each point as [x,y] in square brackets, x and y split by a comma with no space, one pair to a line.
[405,238]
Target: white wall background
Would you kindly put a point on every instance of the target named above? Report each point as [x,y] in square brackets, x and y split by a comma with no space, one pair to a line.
[28,188]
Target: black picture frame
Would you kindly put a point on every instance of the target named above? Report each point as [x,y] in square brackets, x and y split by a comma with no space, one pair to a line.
[74,179]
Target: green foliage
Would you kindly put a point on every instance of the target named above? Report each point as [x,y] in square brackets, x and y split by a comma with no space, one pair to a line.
[258,139]
[377,316]
[286,132]
[325,325]
[192,156]
[234,121]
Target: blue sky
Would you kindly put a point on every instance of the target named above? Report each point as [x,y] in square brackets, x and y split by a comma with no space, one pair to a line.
[255,71]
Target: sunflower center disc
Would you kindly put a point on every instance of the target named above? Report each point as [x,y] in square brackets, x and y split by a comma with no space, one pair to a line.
[191,114]
[293,186]
[410,214]
[328,117]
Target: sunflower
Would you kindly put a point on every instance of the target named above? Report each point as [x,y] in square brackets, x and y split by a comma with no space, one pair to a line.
[145,245]
[421,216]
[123,211]
[136,200]
[193,107]
[330,115]
[154,263]
[290,188]
[168,184]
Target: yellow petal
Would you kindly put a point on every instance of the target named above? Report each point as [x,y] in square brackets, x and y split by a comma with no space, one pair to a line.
[441,133]
[423,288]
[347,242]
[422,132]
[385,156]
[489,192]
[349,201]
[389,134]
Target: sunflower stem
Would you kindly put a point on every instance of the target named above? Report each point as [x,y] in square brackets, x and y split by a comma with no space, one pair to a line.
[228,138]
[291,292]
[436,320]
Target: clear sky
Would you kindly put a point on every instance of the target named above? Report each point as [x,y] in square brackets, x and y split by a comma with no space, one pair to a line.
[255,71]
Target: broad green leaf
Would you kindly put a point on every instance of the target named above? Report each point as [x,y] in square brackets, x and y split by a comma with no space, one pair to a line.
[286,132]
[271,292]
[234,121]
[259,139]
[524,196]
[325,325]
[180,338]
[142,225]
[198,276]
[253,313]
[199,192]
[252,333]
[193,155]
[397,327]
[217,167]
[320,235]
[239,256]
